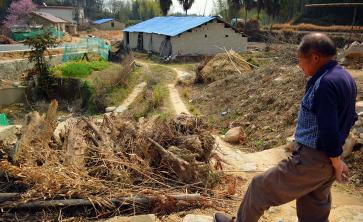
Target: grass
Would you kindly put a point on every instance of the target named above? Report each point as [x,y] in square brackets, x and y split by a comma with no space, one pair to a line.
[150,102]
[117,94]
[79,69]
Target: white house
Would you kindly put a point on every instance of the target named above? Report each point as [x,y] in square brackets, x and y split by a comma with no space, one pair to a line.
[190,35]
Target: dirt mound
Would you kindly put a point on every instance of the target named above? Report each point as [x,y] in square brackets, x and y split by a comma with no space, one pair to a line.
[220,66]
[103,160]
[264,102]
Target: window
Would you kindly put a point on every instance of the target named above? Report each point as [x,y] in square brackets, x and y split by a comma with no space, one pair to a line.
[226,36]
[205,36]
[112,24]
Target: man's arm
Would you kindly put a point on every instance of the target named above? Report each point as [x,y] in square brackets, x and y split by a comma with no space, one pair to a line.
[326,109]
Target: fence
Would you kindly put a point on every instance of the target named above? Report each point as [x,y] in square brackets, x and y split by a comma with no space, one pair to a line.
[88,45]
[21,36]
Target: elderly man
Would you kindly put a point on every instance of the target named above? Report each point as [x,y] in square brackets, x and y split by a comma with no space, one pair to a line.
[326,116]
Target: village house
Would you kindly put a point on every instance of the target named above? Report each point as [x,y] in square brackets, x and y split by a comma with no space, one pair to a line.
[48,21]
[191,35]
[108,24]
[67,13]
[72,15]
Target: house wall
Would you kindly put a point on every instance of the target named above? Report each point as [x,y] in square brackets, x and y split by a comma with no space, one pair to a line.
[152,42]
[108,25]
[132,39]
[208,40]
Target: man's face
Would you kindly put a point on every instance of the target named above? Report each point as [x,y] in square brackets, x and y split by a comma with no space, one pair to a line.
[309,63]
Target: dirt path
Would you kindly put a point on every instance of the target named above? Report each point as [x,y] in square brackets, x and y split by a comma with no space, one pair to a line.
[135,92]
[178,104]
[250,164]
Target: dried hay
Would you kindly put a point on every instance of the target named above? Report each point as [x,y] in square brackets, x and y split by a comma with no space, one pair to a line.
[113,159]
[221,66]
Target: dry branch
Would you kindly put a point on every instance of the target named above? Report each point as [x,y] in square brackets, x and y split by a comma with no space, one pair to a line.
[7,196]
[94,128]
[85,202]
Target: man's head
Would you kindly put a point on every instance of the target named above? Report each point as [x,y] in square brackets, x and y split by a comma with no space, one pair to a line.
[315,50]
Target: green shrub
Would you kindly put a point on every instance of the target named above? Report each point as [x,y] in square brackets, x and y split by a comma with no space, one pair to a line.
[79,69]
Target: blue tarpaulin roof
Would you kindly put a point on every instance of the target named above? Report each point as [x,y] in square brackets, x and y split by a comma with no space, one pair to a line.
[100,21]
[170,25]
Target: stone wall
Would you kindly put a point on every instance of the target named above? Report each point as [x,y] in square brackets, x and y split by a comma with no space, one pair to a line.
[13,69]
[12,95]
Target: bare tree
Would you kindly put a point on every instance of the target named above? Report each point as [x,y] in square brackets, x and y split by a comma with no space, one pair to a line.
[187,4]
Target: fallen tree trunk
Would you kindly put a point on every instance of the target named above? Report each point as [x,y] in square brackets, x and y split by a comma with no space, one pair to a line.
[85,202]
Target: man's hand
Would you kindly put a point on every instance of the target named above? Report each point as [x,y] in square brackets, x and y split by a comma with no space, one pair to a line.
[340,168]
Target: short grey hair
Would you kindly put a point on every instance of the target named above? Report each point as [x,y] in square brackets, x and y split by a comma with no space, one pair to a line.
[318,42]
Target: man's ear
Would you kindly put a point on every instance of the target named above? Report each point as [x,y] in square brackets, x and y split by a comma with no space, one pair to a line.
[316,57]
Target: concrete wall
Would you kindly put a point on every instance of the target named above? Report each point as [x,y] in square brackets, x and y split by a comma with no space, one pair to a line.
[132,39]
[12,95]
[108,25]
[13,69]
[156,42]
[207,39]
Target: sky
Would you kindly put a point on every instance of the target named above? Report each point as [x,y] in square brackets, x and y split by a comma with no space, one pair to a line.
[197,7]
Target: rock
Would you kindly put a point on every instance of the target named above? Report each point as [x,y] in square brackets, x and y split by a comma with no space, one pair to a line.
[139,218]
[354,51]
[16,84]
[198,218]
[351,213]
[141,120]
[358,123]
[224,113]
[62,127]
[349,144]
[359,141]
[8,133]
[110,109]
[234,135]
[360,130]
[185,77]
[354,131]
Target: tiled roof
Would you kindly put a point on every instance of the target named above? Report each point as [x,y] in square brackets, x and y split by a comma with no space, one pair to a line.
[50,17]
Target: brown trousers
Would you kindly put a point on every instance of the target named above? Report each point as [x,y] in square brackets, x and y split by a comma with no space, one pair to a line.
[307,176]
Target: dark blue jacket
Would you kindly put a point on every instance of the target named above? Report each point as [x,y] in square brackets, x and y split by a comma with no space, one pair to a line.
[327,110]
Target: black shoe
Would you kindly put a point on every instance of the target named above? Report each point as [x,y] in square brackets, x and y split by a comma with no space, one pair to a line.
[220,217]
